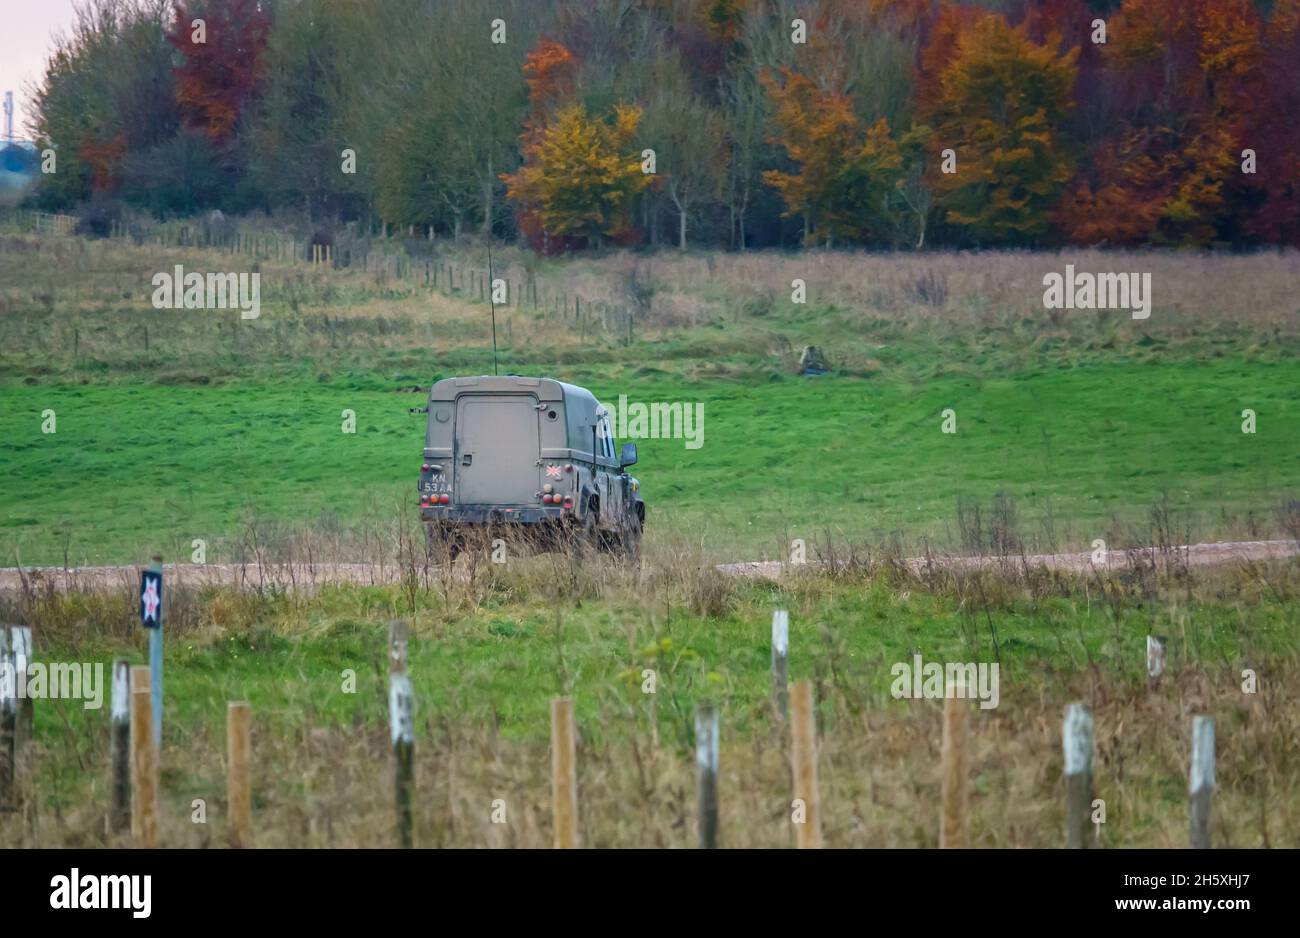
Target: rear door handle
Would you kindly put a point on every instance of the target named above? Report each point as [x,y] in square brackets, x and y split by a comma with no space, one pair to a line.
[466,459]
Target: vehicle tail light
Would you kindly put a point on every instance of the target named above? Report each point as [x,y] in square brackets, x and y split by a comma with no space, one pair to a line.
[445,498]
[569,467]
[424,468]
[424,500]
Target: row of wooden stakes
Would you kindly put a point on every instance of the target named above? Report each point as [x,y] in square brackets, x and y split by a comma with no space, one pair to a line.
[134,757]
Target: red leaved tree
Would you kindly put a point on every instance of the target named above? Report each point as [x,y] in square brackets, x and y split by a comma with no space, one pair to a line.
[222,45]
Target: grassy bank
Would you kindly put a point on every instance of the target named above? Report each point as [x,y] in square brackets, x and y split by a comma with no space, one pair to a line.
[489,652]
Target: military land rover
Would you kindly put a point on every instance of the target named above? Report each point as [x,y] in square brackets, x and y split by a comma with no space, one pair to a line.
[533,456]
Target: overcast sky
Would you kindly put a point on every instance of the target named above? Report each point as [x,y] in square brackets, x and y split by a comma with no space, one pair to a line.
[26,28]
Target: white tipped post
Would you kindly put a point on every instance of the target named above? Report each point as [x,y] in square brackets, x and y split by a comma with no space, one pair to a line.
[119,817]
[20,644]
[1076,743]
[781,661]
[1155,659]
[706,768]
[1201,780]
[401,721]
[8,721]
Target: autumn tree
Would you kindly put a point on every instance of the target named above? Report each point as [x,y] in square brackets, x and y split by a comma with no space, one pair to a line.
[580,176]
[1183,72]
[104,97]
[222,44]
[1269,198]
[819,132]
[852,182]
[999,106]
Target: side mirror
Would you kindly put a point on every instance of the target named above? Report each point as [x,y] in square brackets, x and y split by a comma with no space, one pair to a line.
[627,456]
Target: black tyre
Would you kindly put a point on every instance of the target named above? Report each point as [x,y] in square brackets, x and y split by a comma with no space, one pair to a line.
[632,544]
[440,542]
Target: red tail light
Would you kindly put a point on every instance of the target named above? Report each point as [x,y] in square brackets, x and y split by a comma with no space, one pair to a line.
[445,498]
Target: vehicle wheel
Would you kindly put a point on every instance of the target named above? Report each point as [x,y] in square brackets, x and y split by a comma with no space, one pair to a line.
[440,542]
[632,543]
[589,534]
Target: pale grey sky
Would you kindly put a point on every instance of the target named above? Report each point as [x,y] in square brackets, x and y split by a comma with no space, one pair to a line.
[26,39]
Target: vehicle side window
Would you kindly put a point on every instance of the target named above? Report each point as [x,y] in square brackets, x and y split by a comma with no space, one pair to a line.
[604,442]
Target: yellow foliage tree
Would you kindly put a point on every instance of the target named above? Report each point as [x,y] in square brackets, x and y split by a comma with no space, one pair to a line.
[580,176]
[999,106]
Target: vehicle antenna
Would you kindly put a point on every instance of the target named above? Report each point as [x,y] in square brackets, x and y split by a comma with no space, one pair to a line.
[492,301]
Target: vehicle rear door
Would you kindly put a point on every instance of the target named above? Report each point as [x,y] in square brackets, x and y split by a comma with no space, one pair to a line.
[497,449]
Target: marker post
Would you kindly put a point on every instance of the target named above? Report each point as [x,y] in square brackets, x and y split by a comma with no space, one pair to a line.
[151,616]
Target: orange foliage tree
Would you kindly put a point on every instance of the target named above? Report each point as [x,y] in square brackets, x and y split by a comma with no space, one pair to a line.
[819,131]
[851,180]
[1186,71]
[550,72]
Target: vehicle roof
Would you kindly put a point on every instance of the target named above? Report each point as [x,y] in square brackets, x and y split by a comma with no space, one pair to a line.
[547,389]
[581,409]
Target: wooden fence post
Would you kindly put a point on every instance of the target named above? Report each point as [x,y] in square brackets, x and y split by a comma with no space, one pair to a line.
[1076,743]
[808,833]
[144,764]
[956,709]
[564,782]
[1201,782]
[239,795]
[401,716]
[119,815]
[706,768]
[781,662]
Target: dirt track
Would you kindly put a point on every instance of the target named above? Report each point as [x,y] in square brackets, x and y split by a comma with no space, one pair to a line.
[304,576]
[1193,555]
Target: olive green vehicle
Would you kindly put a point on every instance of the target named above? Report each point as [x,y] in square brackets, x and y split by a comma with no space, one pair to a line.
[532,456]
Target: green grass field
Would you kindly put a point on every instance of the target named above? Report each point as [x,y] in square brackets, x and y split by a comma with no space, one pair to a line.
[1084,422]
[135,467]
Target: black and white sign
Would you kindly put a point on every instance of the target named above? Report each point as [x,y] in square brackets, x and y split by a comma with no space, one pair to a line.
[150,599]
